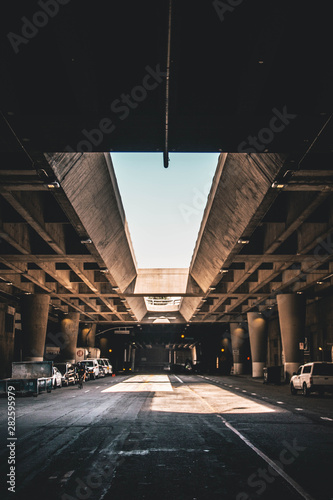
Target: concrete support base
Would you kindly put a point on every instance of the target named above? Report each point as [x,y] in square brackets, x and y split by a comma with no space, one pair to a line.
[258,369]
[291,308]
[70,329]
[258,342]
[6,343]
[238,368]
[34,316]
[88,336]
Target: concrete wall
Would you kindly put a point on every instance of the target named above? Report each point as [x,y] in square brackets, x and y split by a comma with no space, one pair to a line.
[6,341]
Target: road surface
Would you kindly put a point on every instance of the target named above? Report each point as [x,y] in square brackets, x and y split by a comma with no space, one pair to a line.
[169,437]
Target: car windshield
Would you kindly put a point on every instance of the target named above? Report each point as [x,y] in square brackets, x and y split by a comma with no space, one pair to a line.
[322,369]
[61,368]
[89,363]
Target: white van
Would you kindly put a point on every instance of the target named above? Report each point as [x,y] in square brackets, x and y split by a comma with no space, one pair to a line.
[92,367]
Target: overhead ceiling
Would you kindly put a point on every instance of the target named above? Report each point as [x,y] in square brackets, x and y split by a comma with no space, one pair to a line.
[232,64]
[92,79]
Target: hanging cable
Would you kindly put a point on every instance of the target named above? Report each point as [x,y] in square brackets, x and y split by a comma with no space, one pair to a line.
[167,92]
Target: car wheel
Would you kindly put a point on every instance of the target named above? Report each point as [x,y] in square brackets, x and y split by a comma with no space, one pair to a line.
[292,389]
[305,390]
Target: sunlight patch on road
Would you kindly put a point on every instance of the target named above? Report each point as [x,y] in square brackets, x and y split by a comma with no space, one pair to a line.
[210,399]
[143,383]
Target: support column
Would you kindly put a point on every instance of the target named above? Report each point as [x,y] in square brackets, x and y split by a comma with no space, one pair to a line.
[258,342]
[88,336]
[104,347]
[34,316]
[69,326]
[291,309]
[237,336]
[7,334]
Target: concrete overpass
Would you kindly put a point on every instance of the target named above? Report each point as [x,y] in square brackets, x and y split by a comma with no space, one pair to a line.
[263,248]
[266,230]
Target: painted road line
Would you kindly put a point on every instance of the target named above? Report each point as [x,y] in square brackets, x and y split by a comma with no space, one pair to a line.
[262,455]
[299,409]
[327,418]
[178,379]
[253,393]
[270,462]
[280,402]
[87,390]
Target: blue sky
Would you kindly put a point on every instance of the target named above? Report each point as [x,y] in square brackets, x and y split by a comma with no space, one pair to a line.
[164,207]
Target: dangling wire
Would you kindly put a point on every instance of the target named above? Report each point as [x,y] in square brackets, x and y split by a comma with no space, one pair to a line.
[167,92]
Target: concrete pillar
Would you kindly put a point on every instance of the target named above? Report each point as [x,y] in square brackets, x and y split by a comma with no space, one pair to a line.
[34,316]
[194,355]
[88,336]
[69,326]
[291,309]
[237,337]
[104,347]
[258,342]
[7,334]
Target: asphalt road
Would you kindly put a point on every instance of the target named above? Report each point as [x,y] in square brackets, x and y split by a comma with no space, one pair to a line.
[169,437]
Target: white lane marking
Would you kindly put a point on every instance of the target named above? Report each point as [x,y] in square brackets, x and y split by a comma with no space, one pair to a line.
[243,390]
[326,418]
[87,390]
[280,402]
[299,409]
[98,386]
[237,388]
[178,379]
[270,462]
[253,393]
[73,396]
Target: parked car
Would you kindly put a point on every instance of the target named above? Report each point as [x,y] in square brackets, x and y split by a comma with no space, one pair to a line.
[313,377]
[92,366]
[68,373]
[56,378]
[105,363]
[102,367]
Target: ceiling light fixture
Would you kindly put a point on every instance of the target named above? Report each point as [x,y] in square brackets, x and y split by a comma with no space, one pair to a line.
[278,185]
[52,185]
[87,241]
[243,241]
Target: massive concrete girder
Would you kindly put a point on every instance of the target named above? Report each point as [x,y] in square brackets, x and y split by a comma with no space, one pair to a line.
[285,225]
